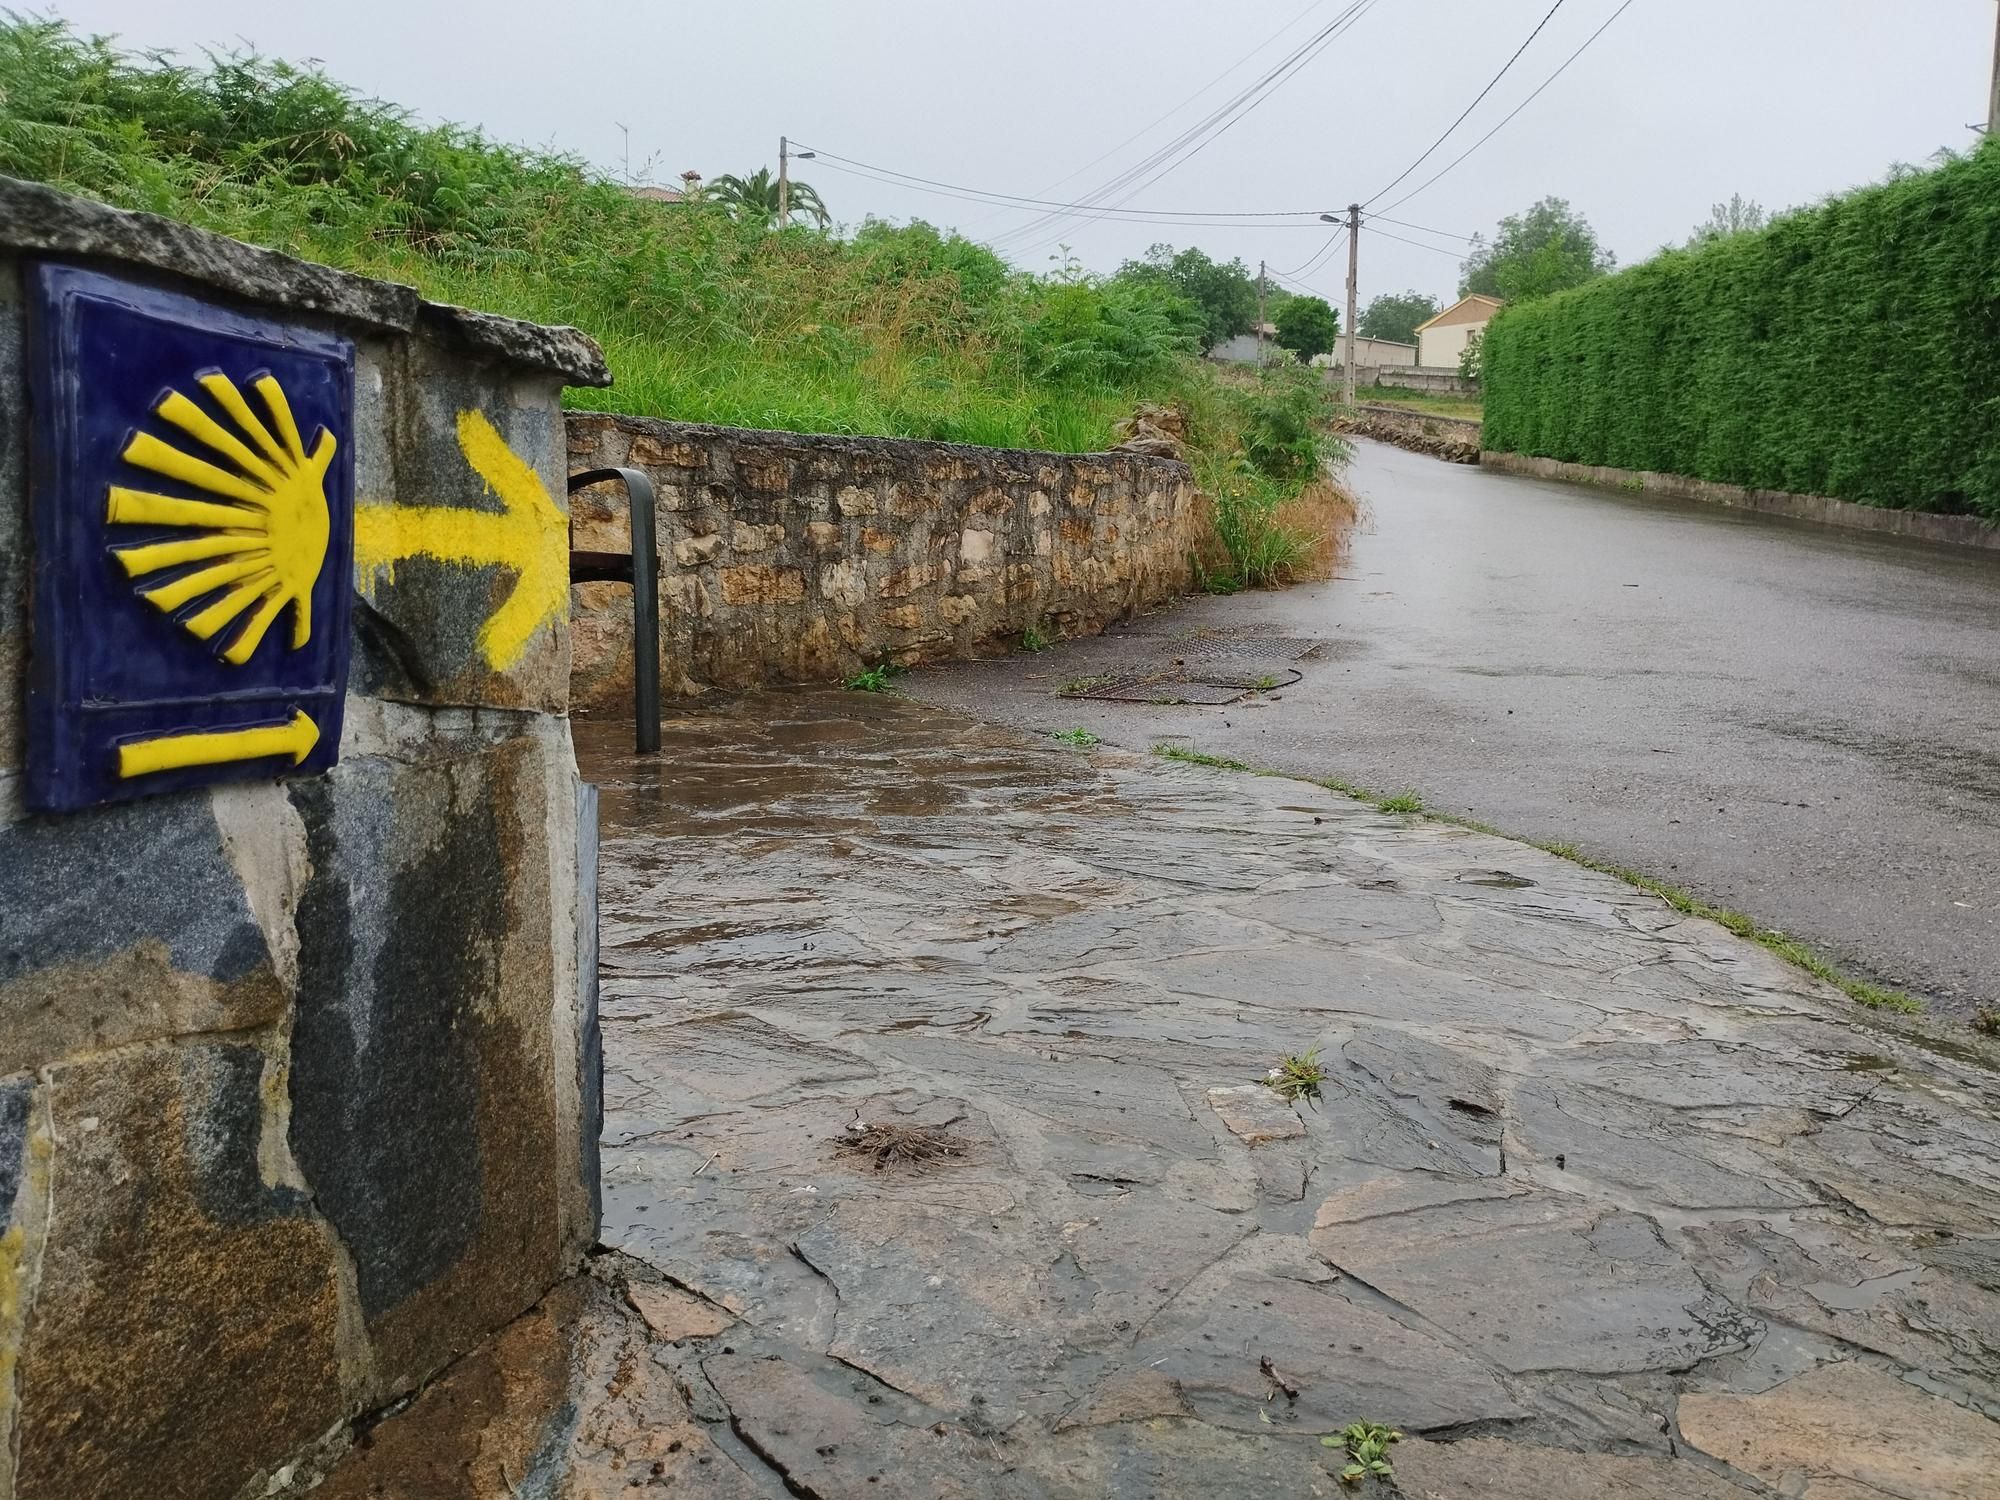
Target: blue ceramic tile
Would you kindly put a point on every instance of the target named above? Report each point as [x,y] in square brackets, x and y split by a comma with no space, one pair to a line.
[192,547]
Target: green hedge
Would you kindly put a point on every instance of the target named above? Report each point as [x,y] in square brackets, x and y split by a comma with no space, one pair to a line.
[1849,350]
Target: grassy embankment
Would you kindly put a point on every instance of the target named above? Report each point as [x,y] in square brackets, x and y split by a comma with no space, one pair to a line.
[1430,403]
[895,331]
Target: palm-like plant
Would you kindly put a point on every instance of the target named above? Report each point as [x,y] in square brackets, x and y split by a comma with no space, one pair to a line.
[756,198]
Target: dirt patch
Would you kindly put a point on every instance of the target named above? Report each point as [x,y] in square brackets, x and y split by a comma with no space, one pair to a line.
[920,1146]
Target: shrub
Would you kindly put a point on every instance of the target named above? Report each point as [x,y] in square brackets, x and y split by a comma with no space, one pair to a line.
[1851,350]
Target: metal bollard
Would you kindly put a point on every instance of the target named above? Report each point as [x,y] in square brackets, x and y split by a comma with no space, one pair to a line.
[642,571]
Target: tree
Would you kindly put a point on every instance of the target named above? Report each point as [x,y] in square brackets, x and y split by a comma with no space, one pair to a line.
[1223,291]
[1395,317]
[1550,248]
[1308,326]
[1740,215]
[755,198]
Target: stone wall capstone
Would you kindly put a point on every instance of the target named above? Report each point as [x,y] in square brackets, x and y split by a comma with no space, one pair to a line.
[293,1096]
[796,557]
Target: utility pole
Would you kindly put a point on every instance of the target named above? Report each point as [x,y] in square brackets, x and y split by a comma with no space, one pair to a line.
[1993,102]
[784,185]
[1353,271]
[1260,312]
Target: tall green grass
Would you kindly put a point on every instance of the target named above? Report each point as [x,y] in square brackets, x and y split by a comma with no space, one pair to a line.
[891,330]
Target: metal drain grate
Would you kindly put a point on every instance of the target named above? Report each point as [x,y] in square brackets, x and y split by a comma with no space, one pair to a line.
[1236,649]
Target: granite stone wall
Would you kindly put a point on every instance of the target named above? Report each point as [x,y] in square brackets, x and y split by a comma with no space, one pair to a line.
[294,1093]
[790,557]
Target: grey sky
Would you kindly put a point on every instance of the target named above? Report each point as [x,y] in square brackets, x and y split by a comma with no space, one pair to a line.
[1681,103]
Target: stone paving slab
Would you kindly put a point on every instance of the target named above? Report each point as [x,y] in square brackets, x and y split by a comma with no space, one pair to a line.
[1594,1200]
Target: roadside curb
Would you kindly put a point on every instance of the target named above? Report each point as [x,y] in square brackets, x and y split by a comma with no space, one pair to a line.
[1958,531]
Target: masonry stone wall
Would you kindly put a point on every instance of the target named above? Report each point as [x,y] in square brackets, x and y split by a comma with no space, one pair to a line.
[789,557]
[294,1101]
[1450,438]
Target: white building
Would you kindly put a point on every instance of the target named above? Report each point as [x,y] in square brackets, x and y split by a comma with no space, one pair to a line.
[1368,353]
[1247,349]
[1443,338]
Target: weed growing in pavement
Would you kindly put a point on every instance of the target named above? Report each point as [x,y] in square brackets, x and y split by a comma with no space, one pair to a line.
[1198,757]
[1367,1445]
[1265,683]
[1986,1021]
[1075,687]
[876,679]
[1297,1077]
[899,1145]
[1032,639]
[1080,737]
[1402,802]
[1861,991]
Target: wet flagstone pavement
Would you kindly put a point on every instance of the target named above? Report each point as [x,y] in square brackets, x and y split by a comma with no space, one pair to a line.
[1596,1200]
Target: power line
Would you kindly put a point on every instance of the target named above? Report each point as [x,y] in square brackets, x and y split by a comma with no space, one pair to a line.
[1213,220]
[1162,119]
[1190,142]
[1319,257]
[881,173]
[1421,228]
[1475,103]
[1434,249]
[1517,108]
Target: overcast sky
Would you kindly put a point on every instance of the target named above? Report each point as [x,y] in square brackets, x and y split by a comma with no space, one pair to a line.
[1678,104]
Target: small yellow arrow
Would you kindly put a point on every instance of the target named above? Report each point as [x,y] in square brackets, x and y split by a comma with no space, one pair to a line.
[172,752]
[530,535]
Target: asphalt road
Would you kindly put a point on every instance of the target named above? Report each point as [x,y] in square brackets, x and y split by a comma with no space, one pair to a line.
[1795,721]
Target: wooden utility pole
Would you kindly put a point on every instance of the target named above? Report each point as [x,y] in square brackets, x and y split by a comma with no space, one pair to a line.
[784,185]
[1353,271]
[1260,312]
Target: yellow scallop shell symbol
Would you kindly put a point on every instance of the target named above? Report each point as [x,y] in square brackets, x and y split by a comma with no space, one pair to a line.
[254,549]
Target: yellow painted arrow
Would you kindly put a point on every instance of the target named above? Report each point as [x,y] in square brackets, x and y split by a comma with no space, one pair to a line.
[530,535]
[172,752]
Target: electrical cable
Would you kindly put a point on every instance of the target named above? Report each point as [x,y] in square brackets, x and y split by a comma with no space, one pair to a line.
[1458,255]
[1318,258]
[862,168]
[1517,108]
[1421,228]
[1197,137]
[1473,105]
[1162,119]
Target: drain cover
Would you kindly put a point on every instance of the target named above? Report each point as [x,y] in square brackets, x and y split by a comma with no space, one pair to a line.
[1186,683]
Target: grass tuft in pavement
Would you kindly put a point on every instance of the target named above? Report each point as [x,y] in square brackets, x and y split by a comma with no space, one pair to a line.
[1198,758]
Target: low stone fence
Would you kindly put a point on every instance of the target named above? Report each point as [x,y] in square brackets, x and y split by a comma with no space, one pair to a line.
[1450,438]
[297,1102]
[1960,531]
[793,557]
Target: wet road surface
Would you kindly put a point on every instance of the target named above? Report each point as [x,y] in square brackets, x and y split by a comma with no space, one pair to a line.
[937,1160]
[1794,721]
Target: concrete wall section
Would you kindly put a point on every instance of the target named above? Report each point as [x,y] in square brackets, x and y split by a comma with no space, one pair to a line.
[799,558]
[1416,378]
[293,1093]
